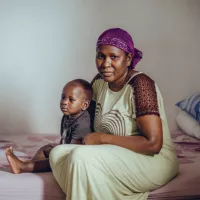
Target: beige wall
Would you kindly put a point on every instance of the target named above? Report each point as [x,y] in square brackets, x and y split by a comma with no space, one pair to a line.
[44,44]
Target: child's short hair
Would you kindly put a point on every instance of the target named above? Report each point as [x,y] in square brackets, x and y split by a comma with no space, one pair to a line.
[86,86]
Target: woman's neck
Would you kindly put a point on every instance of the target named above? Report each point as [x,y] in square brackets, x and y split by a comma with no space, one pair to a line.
[119,84]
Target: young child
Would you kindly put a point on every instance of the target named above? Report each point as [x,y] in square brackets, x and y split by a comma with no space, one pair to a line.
[75,124]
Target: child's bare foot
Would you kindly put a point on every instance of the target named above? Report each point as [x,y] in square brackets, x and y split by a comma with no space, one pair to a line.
[15,163]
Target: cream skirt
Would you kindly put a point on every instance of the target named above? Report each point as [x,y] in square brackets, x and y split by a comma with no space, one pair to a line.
[108,172]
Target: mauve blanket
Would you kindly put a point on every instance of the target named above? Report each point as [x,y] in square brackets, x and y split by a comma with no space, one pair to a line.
[42,186]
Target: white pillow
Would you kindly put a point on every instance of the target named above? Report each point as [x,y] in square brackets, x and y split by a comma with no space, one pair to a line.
[188,124]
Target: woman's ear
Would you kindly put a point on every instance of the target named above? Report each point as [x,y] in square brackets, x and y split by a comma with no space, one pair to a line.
[85,105]
[129,59]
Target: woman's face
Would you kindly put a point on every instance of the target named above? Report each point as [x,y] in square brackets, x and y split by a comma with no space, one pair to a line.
[112,63]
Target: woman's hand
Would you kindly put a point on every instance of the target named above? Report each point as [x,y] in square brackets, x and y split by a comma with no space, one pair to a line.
[94,138]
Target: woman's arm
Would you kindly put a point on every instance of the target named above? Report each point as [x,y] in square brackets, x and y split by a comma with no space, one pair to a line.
[150,142]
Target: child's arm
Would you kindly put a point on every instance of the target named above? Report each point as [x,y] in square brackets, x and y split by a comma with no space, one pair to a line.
[61,130]
[81,128]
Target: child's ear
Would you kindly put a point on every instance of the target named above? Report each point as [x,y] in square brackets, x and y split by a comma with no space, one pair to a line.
[85,105]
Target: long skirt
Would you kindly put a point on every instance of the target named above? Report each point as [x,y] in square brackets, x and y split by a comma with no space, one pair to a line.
[109,172]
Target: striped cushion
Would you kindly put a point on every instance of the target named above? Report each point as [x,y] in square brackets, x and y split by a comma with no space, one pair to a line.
[191,105]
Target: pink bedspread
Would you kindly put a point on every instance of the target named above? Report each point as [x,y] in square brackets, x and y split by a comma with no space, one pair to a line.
[26,186]
[42,186]
[187,183]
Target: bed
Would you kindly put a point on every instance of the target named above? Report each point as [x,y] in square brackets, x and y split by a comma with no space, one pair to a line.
[42,186]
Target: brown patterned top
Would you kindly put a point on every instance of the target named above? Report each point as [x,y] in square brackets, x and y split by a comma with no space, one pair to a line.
[145,95]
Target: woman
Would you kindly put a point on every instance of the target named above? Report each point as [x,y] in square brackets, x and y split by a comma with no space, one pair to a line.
[130,153]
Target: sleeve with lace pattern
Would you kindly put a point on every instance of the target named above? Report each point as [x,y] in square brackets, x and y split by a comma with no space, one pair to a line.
[145,95]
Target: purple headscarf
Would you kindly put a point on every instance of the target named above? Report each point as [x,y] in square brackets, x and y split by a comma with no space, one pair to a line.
[121,39]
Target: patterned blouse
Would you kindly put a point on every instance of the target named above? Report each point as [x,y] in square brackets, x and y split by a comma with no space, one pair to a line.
[116,112]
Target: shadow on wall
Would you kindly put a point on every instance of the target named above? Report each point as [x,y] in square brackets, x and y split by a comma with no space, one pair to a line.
[14,115]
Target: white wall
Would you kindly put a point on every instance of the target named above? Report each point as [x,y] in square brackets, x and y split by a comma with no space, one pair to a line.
[44,44]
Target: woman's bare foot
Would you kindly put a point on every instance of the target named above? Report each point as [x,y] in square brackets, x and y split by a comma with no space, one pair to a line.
[15,163]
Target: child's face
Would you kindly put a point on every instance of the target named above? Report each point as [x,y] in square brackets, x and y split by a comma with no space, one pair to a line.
[72,100]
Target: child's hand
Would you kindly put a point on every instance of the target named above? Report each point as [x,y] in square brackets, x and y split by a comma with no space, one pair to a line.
[94,138]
